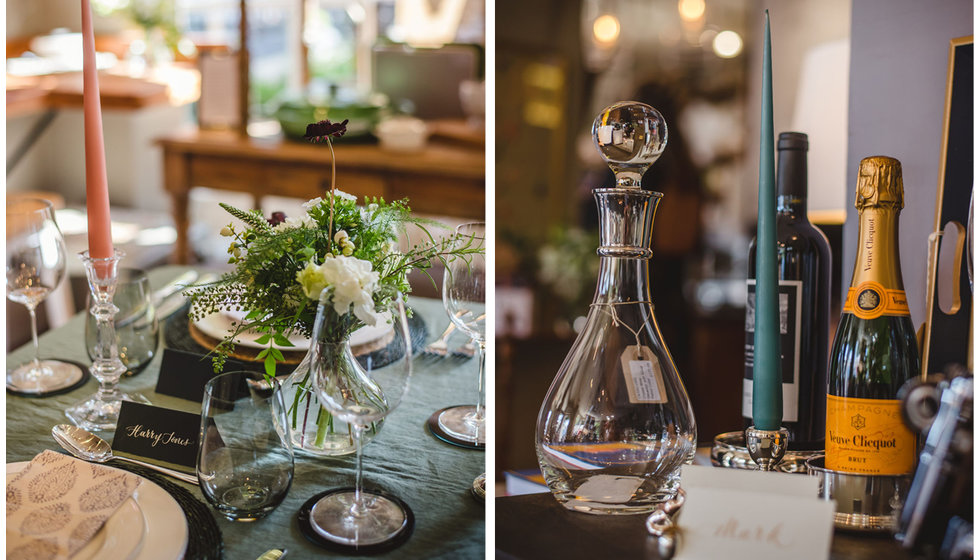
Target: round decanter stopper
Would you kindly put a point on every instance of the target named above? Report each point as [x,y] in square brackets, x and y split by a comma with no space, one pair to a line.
[630,136]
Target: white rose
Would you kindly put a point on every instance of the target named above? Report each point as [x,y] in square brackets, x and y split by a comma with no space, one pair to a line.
[352,285]
[341,194]
[292,223]
[312,203]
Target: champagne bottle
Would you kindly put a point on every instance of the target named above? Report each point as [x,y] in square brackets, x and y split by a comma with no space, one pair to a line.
[875,349]
[803,264]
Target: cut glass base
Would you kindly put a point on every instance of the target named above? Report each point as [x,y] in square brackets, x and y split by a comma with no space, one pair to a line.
[101,414]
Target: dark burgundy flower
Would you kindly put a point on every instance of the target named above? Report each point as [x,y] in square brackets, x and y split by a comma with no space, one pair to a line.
[319,132]
[276,219]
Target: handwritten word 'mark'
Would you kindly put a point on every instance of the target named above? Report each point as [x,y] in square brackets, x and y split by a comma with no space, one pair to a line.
[166,438]
[732,529]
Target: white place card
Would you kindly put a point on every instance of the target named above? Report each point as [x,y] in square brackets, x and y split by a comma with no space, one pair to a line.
[736,514]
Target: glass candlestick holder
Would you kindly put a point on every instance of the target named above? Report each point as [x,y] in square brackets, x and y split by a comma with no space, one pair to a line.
[617,424]
[101,411]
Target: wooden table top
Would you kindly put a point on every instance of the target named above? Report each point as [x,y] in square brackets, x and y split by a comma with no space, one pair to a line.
[174,85]
[535,526]
[437,158]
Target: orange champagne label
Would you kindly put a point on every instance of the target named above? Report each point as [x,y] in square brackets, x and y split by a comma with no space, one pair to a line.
[868,436]
[870,300]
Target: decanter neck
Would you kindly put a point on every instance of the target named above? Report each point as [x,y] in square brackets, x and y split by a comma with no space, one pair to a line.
[626,221]
[625,229]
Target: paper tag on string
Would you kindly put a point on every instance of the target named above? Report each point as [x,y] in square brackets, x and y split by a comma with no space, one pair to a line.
[644,380]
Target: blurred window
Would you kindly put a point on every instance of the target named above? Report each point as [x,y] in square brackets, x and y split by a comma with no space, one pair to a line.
[274,51]
[334,34]
[330,36]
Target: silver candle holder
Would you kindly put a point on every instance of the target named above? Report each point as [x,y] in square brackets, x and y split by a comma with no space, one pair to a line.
[766,447]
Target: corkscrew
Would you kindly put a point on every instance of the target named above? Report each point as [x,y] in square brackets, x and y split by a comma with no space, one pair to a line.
[938,511]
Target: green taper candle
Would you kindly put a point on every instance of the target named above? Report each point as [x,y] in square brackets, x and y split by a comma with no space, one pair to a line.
[767,385]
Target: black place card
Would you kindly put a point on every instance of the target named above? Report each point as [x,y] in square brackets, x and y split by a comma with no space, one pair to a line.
[157,433]
[184,374]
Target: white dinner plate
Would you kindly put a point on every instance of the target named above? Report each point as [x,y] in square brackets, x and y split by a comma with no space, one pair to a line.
[148,526]
[218,325]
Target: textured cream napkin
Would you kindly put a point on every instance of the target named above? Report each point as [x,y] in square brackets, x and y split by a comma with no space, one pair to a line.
[57,504]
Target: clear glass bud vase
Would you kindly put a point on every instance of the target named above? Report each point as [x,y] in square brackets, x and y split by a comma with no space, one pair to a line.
[314,430]
[617,424]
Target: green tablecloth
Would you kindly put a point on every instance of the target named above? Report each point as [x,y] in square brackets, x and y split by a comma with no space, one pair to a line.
[434,478]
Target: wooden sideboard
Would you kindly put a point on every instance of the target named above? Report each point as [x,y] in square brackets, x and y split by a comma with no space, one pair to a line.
[443,179]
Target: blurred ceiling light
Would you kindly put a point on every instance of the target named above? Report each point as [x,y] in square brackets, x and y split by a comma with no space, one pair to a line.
[690,10]
[600,32]
[606,29]
[727,44]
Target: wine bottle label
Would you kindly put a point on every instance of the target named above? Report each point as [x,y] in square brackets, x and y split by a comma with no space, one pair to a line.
[870,300]
[790,328]
[868,436]
[644,379]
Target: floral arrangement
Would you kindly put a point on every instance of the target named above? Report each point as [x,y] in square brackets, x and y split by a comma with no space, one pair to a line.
[282,265]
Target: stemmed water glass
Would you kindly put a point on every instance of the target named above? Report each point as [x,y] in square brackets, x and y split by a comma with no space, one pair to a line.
[36,265]
[464,288]
[354,517]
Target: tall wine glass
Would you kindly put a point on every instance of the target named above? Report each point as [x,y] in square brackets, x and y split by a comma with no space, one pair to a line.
[464,289]
[36,265]
[353,517]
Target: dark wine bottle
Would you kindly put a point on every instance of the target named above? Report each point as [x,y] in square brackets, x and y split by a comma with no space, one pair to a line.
[803,265]
[875,349]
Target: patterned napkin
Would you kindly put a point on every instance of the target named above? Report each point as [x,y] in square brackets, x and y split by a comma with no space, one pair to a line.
[57,504]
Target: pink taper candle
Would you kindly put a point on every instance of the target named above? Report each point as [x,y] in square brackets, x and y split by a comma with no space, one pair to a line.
[96,179]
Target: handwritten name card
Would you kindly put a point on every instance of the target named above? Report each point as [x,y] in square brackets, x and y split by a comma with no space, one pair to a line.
[736,514]
[157,433]
[157,438]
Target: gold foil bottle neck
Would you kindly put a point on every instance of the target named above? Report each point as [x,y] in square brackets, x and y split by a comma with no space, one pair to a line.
[879,183]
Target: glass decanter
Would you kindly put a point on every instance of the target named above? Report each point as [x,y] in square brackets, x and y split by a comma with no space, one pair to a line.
[617,424]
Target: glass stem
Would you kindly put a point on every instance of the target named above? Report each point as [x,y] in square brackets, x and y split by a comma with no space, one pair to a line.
[357,509]
[481,403]
[36,367]
[107,367]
